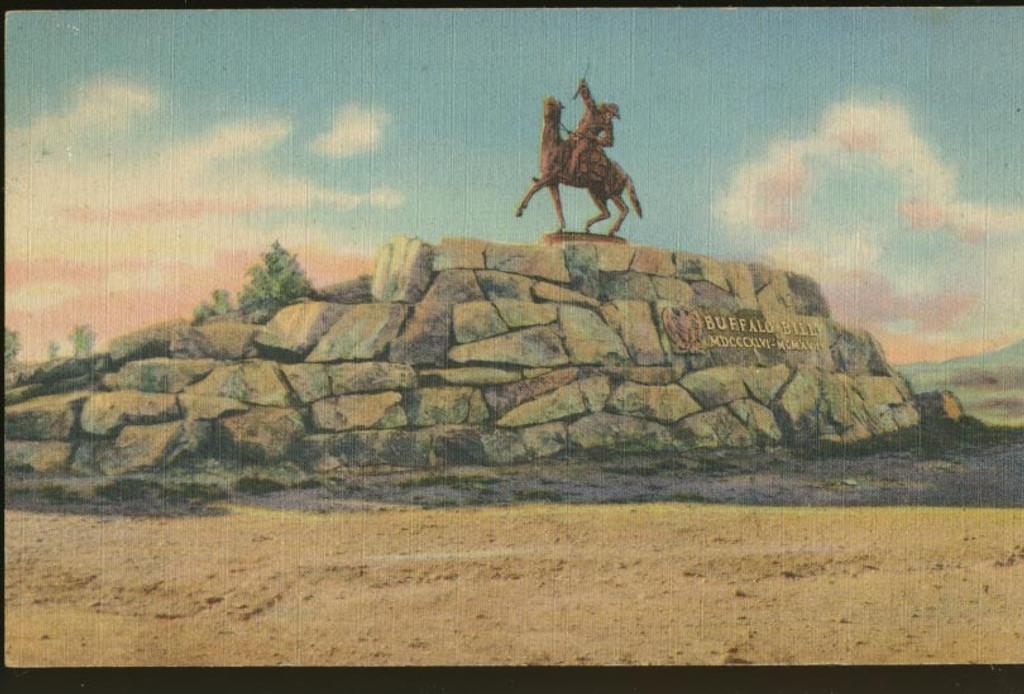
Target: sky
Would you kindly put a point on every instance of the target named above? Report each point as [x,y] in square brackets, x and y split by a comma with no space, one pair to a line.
[151,156]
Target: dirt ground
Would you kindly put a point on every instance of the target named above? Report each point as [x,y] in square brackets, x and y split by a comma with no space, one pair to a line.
[552,583]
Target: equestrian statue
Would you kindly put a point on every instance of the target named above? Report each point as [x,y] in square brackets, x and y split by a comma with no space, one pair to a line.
[579,161]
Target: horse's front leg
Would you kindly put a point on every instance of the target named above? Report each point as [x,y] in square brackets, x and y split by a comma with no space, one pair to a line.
[537,185]
[603,213]
[556,197]
[623,211]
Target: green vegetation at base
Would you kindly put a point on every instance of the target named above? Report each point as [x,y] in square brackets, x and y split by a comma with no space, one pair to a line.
[457,482]
[537,495]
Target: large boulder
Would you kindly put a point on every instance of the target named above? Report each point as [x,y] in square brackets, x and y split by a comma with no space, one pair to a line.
[264,434]
[631,286]
[588,338]
[560,403]
[227,340]
[473,376]
[14,396]
[364,377]
[454,287]
[765,383]
[537,346]
[459,253]
[477,320]
[504,285]
[209,406]
[796,408]
[309,382]
[855,352]
[426,336]
[716,386]
[388,447]
[48,418]
[758,420]
[106,413]
[634,322]
[358,290]
[665,403]
[253,382]
[142,447]
[431,406]
[939,407]
[160,375]
[533,261]
[502,399]
[367,411]
[581,260]
[362,332]
[697,268]
[402,270]
[57,370]
[714,429]
[523,314]
[653,261]
[149,342]
[613,433]
[296,329]
[39,456]
[545,291]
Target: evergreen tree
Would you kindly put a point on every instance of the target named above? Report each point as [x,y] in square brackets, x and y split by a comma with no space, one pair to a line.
[279,281]
[12,345]
[83,339]
[221,305]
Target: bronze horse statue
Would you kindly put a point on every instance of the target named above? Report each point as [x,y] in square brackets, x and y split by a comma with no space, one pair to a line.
[604,179]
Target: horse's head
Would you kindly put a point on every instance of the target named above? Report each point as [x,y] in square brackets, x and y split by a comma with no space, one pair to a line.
[552,109]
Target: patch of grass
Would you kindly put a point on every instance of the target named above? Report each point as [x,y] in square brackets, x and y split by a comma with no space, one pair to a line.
[195,491]
[647,468]
[127,489]
[715,466]
[56,494]
[457,482]
[536,495]
[258,485]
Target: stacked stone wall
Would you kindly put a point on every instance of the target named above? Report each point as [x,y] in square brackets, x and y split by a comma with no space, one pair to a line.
[474,352]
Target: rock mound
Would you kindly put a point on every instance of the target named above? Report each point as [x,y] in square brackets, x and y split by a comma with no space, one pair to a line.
[475,352]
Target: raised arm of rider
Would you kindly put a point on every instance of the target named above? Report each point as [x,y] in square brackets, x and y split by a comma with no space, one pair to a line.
[588,100]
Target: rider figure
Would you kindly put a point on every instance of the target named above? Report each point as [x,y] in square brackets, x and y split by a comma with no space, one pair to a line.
[594,129]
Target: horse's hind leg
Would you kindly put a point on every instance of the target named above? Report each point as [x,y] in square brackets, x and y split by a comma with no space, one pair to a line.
[556,197]
[602,205]
[623,211]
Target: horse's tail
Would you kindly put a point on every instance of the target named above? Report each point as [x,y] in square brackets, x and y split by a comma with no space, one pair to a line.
[632,197]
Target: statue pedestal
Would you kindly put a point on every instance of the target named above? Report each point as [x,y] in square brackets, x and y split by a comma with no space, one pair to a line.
[560,238]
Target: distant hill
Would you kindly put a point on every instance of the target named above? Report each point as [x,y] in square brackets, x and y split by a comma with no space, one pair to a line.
[990,385]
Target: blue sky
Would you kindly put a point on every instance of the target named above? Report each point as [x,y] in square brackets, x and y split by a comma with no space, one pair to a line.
[889,143]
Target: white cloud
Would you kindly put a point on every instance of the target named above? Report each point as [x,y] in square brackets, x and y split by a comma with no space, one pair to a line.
[769,194]
[356,130]
[102,105]
[178,201]
[865,205]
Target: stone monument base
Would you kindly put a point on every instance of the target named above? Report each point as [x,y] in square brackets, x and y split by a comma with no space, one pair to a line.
[560,238]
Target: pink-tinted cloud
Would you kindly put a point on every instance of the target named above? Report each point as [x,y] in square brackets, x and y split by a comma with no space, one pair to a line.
[113,307]
[870,299]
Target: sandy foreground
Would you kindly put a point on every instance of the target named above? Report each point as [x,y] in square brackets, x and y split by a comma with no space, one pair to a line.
[666,583]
